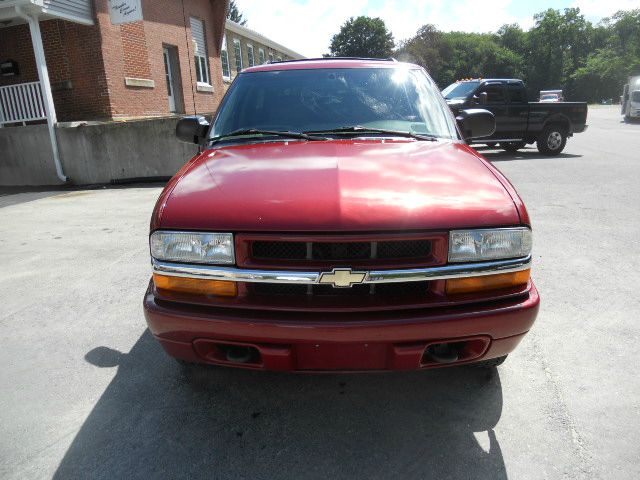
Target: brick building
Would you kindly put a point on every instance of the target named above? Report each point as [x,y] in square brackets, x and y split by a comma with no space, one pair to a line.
[166,62]
[72,70]
[243,47]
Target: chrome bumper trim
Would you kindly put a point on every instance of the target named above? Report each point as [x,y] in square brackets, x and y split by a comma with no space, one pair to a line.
[214,272]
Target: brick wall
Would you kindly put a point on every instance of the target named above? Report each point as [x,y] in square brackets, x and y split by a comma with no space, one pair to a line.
[88,64]
[74,63]
[134,50]
[15,44]
[164,25]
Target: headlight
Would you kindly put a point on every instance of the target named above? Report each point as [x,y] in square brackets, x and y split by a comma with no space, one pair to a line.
[193,247]
[489,244]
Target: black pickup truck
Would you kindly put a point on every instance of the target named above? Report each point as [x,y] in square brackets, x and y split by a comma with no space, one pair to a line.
[518,122]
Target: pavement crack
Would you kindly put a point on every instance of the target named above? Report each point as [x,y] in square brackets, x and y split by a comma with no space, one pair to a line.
[586,465]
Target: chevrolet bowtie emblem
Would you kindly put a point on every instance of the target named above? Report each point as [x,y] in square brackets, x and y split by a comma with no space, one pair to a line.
[342,277]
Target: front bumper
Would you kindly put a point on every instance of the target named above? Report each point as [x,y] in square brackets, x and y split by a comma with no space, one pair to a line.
[324,341]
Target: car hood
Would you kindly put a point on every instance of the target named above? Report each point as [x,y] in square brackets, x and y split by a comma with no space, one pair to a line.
[336,185]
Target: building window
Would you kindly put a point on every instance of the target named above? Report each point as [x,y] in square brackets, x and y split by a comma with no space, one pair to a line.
[270,57]
[261,56]
[224,58]
[251,59]
[238,53]
[200,54]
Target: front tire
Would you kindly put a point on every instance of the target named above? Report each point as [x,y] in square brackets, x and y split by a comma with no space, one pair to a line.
[512,146]
[552,140]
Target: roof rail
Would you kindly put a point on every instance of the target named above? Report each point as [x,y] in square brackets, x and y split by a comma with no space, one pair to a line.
[334,58]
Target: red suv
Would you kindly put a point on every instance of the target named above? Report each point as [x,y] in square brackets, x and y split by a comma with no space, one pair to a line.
[335,219]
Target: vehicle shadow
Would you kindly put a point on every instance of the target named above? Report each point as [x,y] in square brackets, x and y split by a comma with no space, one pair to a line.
[157,420]
[528,153]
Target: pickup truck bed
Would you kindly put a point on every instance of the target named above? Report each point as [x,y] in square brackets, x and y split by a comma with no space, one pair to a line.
[574,114]
[518,122]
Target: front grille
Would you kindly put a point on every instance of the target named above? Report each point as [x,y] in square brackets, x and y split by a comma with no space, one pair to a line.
[405,289]
[340,251]
[279,250]
[405,249]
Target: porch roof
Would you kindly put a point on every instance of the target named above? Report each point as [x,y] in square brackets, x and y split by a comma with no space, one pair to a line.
[79,11]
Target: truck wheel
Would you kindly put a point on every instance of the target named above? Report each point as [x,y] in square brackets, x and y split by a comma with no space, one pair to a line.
[494,362]
[512,146]
[552,140]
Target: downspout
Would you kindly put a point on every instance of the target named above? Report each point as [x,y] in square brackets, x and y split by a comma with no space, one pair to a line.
[43,76]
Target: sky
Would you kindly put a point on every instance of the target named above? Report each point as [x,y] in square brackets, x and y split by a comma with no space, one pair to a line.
[306,26]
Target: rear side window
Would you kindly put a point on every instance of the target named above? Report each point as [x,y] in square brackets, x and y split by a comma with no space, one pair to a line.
[516,94]
[495,93]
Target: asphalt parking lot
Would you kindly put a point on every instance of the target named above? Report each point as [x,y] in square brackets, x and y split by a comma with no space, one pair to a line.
[87,393]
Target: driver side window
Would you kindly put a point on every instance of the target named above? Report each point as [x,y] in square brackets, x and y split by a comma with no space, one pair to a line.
[495,94]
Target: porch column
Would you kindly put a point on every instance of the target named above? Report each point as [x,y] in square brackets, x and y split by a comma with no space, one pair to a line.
[45,85]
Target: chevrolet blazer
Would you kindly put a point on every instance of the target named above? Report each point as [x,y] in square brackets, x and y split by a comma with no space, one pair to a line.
[336,219]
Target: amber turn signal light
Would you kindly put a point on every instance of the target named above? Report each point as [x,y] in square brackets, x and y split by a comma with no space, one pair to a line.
[195,285]
[487,282]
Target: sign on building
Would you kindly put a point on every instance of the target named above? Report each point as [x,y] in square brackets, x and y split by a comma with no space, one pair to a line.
[125,11]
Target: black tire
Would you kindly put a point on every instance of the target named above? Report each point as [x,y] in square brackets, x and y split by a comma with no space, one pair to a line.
[552,140]
[491,363]
[627,119]
[512,146]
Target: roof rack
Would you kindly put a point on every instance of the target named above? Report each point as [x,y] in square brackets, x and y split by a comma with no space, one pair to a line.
[334,58]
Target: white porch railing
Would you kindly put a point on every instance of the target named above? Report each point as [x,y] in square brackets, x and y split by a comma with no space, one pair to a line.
[21,103]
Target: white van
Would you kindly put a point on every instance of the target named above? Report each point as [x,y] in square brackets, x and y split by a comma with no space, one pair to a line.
[630,99]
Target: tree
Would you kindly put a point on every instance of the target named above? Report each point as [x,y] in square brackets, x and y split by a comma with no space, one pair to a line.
[562,50]
[601,77]
[362,37]
[477,55]
[511,36]
[235,15]
[617,57]
[559,45]
[624,27]
[449,56]
[425,49]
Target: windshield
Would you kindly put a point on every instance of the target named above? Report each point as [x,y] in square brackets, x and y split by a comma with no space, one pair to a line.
[459,90]
[399,99]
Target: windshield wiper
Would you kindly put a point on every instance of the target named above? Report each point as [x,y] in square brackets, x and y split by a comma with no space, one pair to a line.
[255,131]
[362,129]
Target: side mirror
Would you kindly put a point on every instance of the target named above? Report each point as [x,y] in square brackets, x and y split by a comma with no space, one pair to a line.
[476,123]
[480,99]
[192,129]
